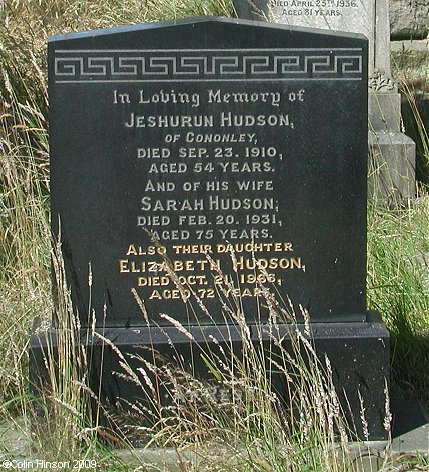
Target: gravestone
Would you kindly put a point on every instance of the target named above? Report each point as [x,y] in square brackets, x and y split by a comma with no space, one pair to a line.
[409,19]
[183,152]
[393,161]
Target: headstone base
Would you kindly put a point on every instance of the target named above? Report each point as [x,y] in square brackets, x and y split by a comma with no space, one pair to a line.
[392,167]
[384,110]
[392,171]
[359,355]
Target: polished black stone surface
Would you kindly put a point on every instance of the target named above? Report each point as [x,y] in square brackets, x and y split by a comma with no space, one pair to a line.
[188,151]
[170,141]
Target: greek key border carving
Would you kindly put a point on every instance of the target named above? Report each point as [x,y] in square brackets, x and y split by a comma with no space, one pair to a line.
[210,65]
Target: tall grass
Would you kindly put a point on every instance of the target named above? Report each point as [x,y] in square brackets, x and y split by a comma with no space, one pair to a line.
[398,253]
[24,159]
[236,420]
[24,222]
[398,286]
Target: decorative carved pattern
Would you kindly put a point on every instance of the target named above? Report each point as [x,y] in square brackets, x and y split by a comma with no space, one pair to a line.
[380,82]
[209,65]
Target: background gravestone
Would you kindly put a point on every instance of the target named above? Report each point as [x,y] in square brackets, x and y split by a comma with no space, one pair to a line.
[409,19]
[174,143]
[393,161]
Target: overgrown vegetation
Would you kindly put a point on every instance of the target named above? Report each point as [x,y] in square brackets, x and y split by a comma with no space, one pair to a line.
[251,430]
[398,286]
[398,258]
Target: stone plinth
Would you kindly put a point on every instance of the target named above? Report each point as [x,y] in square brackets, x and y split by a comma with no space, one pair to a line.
[358,352]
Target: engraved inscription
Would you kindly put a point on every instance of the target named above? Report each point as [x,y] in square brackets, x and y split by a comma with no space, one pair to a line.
[313,10]
[182,168]
[207,161]
[209,179]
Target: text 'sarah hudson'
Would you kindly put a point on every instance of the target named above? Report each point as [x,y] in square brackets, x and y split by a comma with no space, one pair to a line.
[224,119]
[213,202]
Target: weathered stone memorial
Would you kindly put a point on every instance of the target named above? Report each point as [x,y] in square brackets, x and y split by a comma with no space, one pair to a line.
[409,19]
[393,155]
[186,152]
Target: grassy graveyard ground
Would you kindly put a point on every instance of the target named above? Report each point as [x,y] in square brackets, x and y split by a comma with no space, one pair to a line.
[248,430]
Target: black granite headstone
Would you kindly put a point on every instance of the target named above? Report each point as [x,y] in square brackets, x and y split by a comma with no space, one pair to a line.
[197,137]
[209,148]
